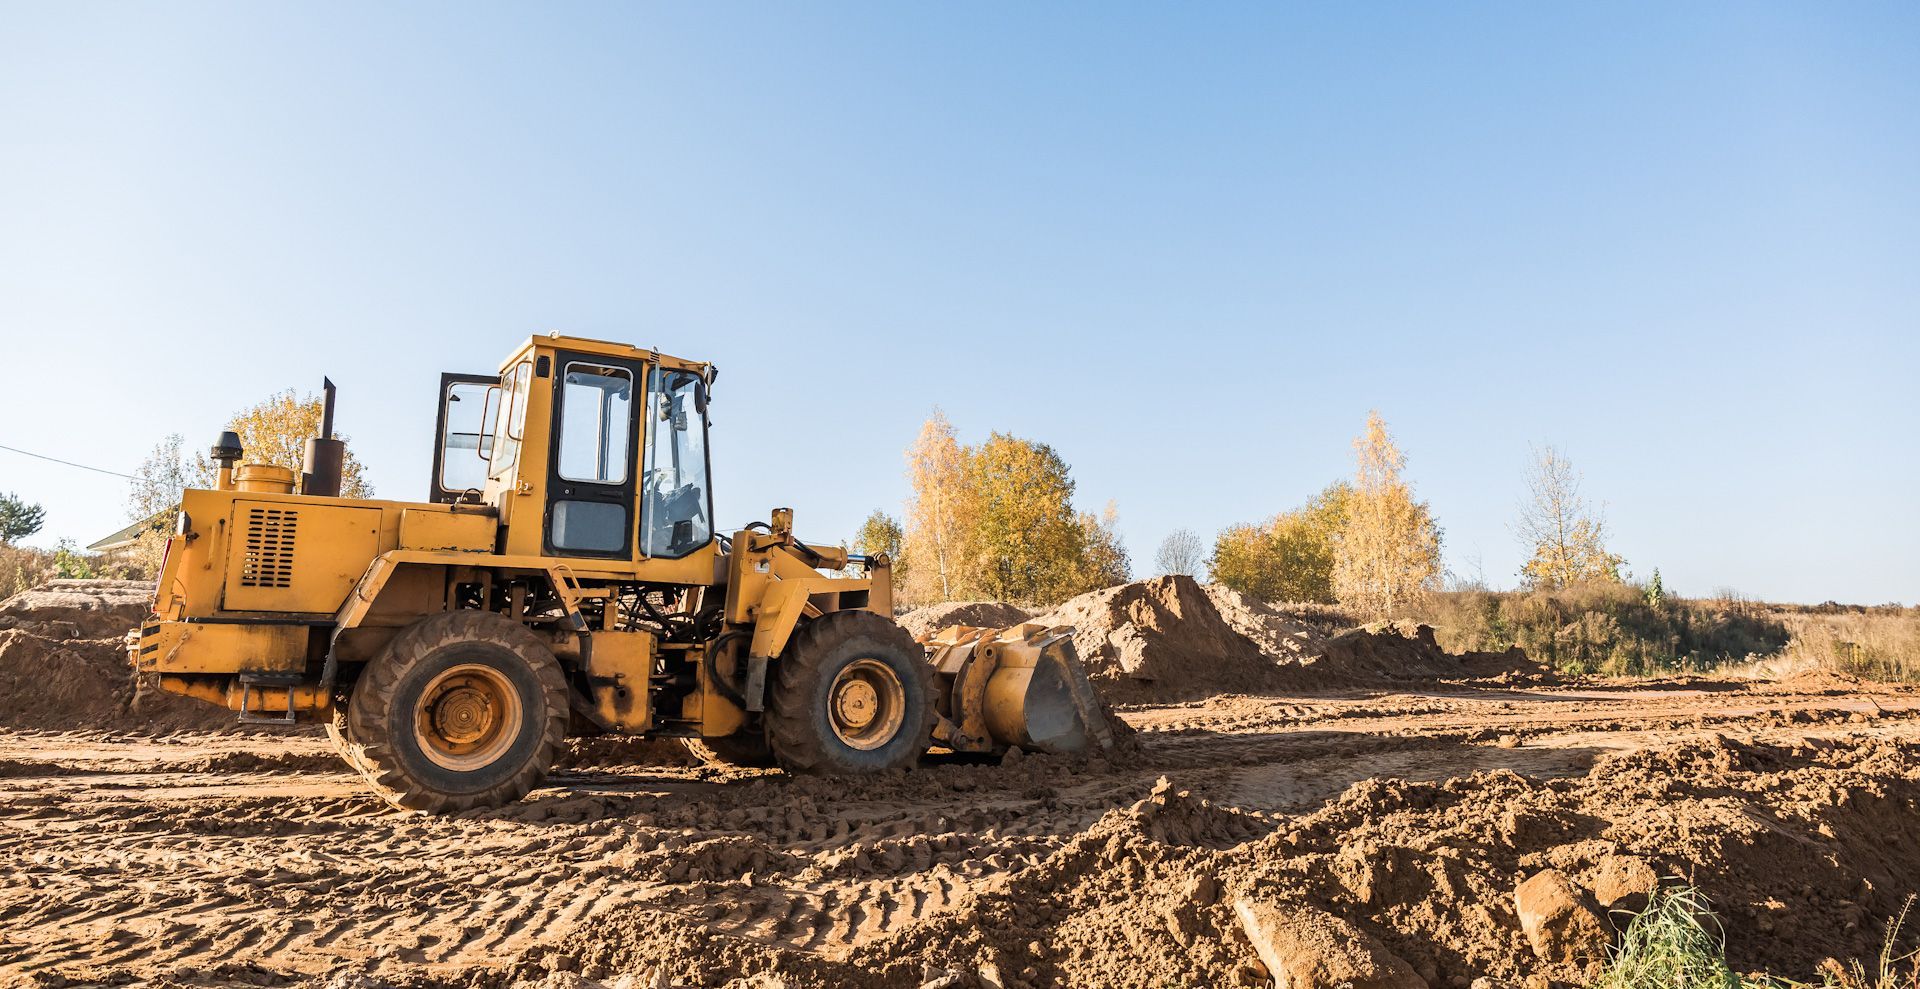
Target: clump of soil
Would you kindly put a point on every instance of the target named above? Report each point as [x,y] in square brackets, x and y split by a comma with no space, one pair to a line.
[925,621]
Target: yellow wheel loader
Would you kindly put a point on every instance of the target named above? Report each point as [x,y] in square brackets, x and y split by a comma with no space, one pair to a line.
[564,578]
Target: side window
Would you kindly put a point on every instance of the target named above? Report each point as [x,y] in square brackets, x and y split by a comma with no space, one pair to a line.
[596,423]
[508,414]
[467,442]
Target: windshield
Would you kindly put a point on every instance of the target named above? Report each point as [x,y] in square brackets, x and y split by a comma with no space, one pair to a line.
[679,504]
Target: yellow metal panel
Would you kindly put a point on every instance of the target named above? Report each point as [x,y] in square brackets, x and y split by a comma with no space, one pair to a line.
[182,647]
[458,531]
[296,557]
[618,670]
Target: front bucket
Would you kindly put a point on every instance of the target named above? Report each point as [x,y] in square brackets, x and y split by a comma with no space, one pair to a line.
[1038,696]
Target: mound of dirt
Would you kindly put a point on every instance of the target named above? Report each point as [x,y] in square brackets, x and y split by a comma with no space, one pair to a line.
[925,621]
[83,609]
[1280,636]
[63,662]
[1388,652]
[1170,638]
[1166,632]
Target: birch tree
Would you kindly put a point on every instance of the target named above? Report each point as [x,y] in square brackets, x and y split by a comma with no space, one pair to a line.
[1564,536]
[1388,552]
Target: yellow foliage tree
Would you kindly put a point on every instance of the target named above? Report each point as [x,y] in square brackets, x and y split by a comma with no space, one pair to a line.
[1104,560]
[1026,543]
[997,521]
[276,431]
[1388,553]
[936,468]
[1565,536]
[1288,557]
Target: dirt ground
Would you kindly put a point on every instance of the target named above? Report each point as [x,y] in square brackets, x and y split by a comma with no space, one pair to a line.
[220,859]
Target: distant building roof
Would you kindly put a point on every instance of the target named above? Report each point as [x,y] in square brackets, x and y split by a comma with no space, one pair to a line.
[126,536]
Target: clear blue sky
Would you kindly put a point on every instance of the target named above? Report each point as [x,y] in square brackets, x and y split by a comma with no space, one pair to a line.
[1188,245]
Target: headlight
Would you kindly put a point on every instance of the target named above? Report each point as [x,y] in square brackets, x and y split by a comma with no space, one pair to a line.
[183,524]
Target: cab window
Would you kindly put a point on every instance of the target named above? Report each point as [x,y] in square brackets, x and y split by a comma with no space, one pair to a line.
[509,414]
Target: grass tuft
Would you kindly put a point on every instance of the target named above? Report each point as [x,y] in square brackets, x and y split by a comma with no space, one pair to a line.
[1675,943]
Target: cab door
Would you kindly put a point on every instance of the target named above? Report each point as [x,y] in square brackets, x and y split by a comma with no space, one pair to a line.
[463,436]
[593,470]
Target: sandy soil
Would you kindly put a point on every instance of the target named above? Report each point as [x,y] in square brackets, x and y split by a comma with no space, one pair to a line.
[205,859]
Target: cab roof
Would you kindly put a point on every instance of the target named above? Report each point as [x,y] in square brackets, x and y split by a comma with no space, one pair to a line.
[602,348]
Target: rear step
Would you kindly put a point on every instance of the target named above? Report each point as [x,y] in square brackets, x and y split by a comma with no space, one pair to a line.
[249,682]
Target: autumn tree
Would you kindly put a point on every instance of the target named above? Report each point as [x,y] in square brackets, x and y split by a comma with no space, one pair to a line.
[276,431]
[936,468]
[1388,552]
[1179,553]
[19,518]
[1565,536]
[1290,556]
[1025,542]
[1103,558]
[997,521]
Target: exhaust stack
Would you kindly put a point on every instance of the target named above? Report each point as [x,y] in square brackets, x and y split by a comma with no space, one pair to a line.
[320,475]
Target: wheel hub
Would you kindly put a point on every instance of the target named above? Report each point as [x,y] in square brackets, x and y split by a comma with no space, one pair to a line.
[467,717]
[463,715]
[866,704]
[855,703]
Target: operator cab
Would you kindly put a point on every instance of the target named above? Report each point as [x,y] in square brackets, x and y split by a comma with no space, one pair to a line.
[589,434]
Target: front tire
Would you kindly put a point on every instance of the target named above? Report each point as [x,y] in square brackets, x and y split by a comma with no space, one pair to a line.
[853,695]
[461,710]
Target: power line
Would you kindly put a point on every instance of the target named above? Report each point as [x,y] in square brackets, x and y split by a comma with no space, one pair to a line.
[69,463]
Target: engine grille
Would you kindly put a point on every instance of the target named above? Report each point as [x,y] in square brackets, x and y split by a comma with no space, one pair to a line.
[268,561]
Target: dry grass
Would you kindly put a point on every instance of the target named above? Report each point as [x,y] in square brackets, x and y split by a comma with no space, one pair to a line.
[22,567]
[1880,643]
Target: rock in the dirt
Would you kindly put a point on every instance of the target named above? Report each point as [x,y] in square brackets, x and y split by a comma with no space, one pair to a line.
[1560,920]
[1307,948]
[1625,883]
[1201,890]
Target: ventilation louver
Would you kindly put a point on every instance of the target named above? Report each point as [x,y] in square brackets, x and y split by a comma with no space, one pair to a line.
[269,556]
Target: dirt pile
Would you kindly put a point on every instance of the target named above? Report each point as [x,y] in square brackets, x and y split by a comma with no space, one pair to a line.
[63,662]
[1400,652]
[1170,638]
[79,609]
[979,614]
[1166,633]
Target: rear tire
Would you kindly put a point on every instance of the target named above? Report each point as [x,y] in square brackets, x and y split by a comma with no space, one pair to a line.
[461,710]
[853,695]
[749,749]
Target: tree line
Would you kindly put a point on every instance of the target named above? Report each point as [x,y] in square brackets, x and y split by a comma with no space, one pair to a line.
[996,521]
